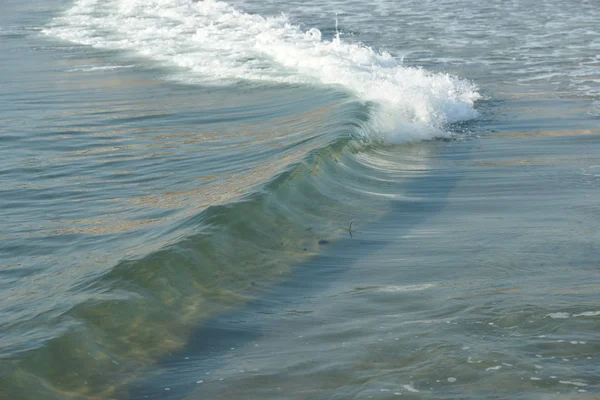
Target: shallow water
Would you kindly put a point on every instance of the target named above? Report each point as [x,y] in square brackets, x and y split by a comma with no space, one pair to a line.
[215,200]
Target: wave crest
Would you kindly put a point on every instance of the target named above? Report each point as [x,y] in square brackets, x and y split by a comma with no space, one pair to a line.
[214,42]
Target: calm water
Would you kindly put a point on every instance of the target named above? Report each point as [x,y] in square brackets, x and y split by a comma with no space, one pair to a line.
[297,200]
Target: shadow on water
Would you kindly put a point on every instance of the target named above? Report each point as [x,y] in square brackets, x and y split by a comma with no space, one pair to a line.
[424,197]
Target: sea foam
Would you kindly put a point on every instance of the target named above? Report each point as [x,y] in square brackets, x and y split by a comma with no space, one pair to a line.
[213,42]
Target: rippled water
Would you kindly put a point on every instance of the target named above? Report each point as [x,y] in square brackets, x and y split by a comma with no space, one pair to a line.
[287,199]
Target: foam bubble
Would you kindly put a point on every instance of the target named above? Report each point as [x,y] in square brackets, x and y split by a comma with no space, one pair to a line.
[213,42]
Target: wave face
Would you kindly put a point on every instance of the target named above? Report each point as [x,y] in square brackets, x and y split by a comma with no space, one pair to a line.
[214,42]
[181,202]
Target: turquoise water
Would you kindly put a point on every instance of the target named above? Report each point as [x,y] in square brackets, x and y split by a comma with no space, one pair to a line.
[347,200]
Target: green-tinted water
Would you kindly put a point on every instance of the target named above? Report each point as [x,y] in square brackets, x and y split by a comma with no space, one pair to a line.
[203,203]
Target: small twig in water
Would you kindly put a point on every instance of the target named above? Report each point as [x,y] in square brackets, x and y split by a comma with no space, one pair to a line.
[350,229]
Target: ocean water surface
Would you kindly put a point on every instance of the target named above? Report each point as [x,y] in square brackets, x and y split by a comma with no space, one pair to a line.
[299,200]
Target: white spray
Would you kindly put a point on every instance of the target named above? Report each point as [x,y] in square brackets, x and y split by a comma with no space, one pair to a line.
[219,44]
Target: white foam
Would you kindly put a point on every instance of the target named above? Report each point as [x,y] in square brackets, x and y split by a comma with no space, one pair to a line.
[96,68]
[407,288]
[559,315]
[212,42]
[410,388]
[588,314]
[573,383]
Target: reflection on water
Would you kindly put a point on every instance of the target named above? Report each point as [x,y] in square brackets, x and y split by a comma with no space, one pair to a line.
[570,132]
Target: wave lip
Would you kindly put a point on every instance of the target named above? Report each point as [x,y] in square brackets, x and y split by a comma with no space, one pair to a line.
[213,42]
